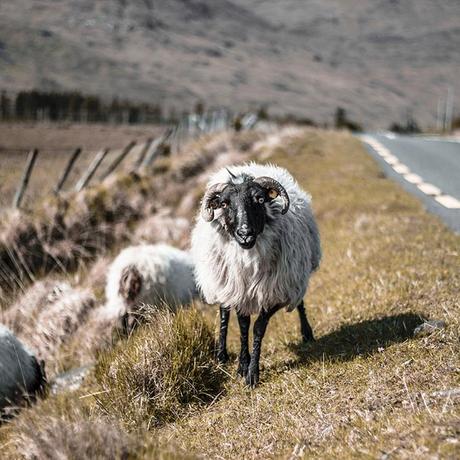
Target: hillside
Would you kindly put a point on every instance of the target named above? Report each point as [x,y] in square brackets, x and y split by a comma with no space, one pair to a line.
[377,59]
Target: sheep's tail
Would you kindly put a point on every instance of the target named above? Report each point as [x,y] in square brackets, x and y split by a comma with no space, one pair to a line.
[130,284]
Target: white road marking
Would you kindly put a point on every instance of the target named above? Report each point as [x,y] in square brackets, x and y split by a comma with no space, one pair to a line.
[391,160]
[429,189]
[413,178]
[401,169]
[448,201]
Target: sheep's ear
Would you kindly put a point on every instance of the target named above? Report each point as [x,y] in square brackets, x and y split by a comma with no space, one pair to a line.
[130,283]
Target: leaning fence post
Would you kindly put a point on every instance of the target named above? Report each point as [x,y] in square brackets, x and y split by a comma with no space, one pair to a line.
[118,160]
[67,170]
[153,151]
[25,178]
[89,173]
[142,153]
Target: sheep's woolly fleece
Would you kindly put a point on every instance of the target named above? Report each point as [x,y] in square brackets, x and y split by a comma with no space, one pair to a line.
[276,270]
[166,272]
[19,370]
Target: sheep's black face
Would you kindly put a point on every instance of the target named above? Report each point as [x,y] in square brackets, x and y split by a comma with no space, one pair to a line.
[243,211]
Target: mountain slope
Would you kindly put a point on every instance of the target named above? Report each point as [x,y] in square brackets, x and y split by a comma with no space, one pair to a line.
[377,59]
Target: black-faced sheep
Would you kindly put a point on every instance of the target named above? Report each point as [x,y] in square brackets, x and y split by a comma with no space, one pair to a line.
[255,245]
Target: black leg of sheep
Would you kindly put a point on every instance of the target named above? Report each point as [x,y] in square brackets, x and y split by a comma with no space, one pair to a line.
[305,328]
[260,326]
[222,355]
[244,323]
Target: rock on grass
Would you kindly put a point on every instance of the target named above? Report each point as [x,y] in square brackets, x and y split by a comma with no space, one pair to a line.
[428,327]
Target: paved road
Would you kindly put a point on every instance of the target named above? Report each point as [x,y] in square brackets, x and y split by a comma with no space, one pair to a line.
[428,167]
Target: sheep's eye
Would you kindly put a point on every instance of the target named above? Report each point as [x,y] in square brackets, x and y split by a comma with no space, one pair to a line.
[223,205]
[260,200]
[272,193]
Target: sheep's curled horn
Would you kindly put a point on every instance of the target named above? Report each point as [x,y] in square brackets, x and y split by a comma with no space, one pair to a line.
[271,184]
[207,209]
[207,206]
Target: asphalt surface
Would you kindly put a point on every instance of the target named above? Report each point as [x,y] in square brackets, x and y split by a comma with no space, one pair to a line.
[418,163]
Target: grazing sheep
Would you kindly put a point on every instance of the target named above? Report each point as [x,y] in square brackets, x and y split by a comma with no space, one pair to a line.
[21,376]
[148,274]
[254,245]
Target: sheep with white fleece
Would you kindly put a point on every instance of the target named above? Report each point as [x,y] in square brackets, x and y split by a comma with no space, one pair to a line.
[154,275]
[255,245]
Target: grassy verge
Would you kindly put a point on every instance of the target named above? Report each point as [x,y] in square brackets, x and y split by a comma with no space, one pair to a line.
[366,388]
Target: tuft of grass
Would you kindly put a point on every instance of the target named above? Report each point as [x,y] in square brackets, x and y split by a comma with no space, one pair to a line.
[63,427]
[161,370]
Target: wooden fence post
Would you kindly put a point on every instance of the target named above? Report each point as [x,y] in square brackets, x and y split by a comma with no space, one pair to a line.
[142,154]
[118,160]
[25,178]
[67,170]
[89,173]
[154,148]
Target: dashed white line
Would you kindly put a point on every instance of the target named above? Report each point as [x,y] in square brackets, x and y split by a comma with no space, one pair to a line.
[428,189]
[413,178]
[391,159]
[448,201]
[401,169]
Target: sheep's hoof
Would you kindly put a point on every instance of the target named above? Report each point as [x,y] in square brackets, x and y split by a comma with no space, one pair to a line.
[252,377]
[222,357]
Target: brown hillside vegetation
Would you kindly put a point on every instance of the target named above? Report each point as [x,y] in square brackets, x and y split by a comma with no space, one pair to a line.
[367,388]
[56,142]
[375,58]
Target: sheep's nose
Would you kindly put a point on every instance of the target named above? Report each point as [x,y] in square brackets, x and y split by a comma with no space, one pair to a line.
[245,232]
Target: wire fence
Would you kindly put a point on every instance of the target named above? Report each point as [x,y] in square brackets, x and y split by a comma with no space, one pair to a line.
[85,169]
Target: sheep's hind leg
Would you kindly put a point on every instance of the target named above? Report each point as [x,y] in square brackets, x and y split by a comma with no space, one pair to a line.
[243,365]
[260,326]
[305,328]
[222,355]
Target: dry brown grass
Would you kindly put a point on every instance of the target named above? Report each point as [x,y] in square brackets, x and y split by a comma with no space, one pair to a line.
[160,371]
[56,142]
[367,388]
[66,428]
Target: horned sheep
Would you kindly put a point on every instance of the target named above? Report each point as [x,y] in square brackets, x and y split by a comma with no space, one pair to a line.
[255,244]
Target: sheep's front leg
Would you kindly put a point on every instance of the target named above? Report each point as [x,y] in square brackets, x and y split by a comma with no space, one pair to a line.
[305,328]
[243,365]
[222,355]
[260,326]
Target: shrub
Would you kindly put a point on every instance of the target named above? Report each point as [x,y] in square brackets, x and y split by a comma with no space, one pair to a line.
[162,369]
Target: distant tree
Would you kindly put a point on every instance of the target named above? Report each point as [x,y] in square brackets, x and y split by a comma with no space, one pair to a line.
[262,113]
[456,122]
[5,106]
[343,122]
[199,108]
